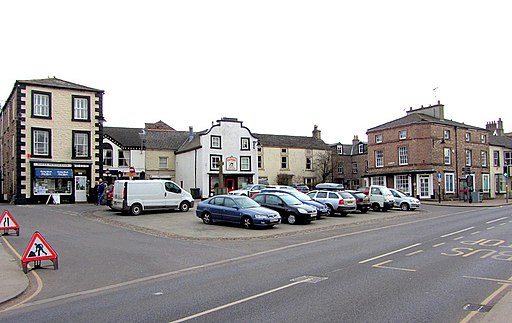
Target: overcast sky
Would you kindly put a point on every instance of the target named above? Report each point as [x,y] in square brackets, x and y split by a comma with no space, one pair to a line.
[281,67]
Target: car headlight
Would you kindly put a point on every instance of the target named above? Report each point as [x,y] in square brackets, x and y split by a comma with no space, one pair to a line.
[301,210]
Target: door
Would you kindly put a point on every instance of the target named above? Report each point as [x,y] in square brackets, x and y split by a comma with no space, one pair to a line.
[80,188]
[173,195]
[424,190]
[230,184]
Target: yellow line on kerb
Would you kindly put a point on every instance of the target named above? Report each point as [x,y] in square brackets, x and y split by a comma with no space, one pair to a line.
[39,281]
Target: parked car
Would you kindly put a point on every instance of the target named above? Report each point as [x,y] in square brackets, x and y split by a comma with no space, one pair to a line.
[362,200]
[381,198]
[321,209]
[301,188]
[236,209]
[330,187]
[291,209]
[282,187]
[337,201]
[137,196]
[248,190]
[404,201]
[364,189]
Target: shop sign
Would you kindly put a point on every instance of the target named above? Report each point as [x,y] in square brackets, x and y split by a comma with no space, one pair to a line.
[54,173]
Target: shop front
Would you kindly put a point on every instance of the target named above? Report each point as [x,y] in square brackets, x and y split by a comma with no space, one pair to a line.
[60,182]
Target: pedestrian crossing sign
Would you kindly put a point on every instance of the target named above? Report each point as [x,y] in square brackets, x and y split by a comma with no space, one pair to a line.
[7,223]
[38,249]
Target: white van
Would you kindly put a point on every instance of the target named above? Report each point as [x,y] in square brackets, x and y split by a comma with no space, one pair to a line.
[381,198]
[137,196]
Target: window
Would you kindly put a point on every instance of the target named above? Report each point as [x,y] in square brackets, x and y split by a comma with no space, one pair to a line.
[245,163]
[378,139]
[81,146]
[215,161]
[215,142]
[402,134]
[508,158]
[41,104]
[500,181]
[81,108]
[378,180]
[402,156]
[163,162]
[260,162]
[284,150]
[467,136]
[244,144]
[496,158]
[446,134]
[402,183]
[366,166]
[379,158]
[449,183]
[483,138]
[123,158]
[485,183]
[41,142]
[468,157]
[483,156]
[354,167]
[309,163]
[107,155]
[361,148]
[447,156]
[339,149]
[340,167]
[284,162]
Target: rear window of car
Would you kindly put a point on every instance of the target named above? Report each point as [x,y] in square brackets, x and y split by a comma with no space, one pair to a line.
[346,195]
[334,196]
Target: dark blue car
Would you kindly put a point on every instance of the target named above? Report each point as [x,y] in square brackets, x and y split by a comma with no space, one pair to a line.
[321,209]
[236,209]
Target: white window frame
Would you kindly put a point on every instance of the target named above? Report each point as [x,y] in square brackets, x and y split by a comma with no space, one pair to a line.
[403,156]
[215,142]
[81,144]
[284,162]
[309,163]
[447,156]
[123,158]
[214,162]
[403,183]
[163,162]
[468,159]
[446,134]
[483,138]
[245,163]
[483,157]
[41,142]
[467,137]
[41,104]
[379,158]
[402,135]
[486,183]
[354,168]
[378,139]
[340,167]
[339,149]
[80,108]
[361,148]
[449,182]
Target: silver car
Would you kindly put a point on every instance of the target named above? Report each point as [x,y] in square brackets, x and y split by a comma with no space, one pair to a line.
[337,202]
[404,201]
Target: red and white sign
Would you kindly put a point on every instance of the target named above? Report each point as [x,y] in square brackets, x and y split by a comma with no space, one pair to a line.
[7,221]
[38,249]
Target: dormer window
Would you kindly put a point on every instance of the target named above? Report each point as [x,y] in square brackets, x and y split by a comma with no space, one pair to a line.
[361,148]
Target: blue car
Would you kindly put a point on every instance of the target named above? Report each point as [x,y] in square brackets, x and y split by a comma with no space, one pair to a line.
[236,209]
[321,209]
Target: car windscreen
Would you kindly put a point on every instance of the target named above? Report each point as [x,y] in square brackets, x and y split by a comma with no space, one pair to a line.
[246,203]
[290,199]
[302,196]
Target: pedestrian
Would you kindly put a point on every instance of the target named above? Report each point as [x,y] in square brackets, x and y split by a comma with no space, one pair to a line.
[101,191]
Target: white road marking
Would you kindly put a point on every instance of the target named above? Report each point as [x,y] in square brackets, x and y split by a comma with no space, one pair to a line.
[390,253]
[456,232]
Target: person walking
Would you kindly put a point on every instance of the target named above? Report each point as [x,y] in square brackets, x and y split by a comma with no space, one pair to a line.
[101,191]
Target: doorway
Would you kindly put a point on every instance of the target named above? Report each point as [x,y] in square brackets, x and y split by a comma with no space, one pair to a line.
[424,189]
[80,188]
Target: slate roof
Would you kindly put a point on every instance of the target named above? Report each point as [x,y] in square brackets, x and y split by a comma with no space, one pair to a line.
[124,137]
[501,141]
[58,83]
[165,139]
[415,118]
[283,141]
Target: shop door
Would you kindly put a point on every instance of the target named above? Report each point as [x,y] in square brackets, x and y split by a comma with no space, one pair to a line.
[230,184]
[80,188]
[424,187]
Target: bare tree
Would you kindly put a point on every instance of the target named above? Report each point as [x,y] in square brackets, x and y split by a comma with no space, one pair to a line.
[323,166]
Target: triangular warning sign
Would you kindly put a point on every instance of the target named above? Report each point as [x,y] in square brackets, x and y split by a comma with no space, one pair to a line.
[8,222]
[38,249]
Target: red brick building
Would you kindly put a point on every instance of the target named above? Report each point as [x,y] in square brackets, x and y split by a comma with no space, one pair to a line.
[423,154]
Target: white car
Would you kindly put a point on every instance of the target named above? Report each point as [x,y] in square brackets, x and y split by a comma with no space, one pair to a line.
[404,201]
[249,190]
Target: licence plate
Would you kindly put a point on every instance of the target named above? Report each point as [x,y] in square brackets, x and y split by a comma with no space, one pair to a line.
[274,220]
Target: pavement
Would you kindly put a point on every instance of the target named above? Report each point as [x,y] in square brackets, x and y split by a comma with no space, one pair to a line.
[188,227]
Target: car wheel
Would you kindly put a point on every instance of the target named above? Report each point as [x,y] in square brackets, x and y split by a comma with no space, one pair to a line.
[364,210]
[331,210]
[136,209]
[376,207]
[404,207]
[207,218]
[291,219]
[247,222]
[184,206]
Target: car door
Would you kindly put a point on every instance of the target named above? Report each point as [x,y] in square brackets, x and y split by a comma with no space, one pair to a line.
[231,211]
[217,208]
[276,203]
[172,195]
